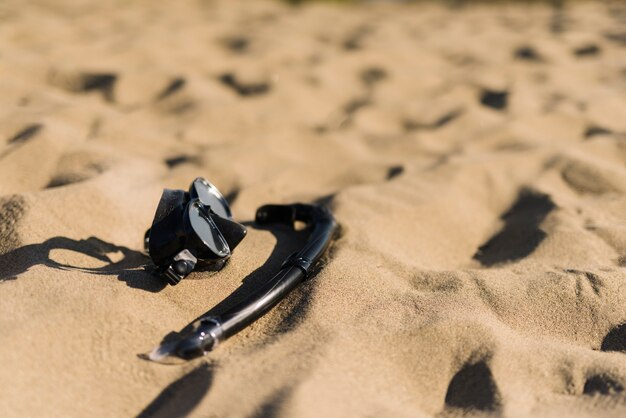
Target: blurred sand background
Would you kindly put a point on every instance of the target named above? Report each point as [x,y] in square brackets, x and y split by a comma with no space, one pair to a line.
[474,157]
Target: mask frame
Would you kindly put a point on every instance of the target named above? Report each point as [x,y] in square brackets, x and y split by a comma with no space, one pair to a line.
[192,228]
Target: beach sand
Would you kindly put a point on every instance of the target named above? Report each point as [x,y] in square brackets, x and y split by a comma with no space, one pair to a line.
[473,156]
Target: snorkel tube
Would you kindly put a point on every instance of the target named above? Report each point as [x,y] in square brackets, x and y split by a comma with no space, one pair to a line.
[209,331]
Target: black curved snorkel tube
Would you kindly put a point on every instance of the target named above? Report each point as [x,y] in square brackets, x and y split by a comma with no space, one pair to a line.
[209,331]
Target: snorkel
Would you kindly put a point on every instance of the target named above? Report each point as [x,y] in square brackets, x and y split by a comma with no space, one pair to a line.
[208,331]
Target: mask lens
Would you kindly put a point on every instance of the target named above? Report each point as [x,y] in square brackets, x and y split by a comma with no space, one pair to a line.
[206,230]
[210,196]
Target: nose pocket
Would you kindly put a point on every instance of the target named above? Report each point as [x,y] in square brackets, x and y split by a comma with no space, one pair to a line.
[233,232]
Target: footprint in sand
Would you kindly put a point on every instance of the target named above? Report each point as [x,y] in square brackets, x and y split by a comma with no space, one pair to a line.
[602,385]
[177,160]
[495,99]
[174,98]
[176,84]
[354,40]
[589,50]
[244,89]
[473,388]
[440,122]
[615,340]
[21,137]
[76,167]
[103,83]
[372,76]
[521,234]
[273,406]
[394,171]
[528,53]
[236,44]
[594,130]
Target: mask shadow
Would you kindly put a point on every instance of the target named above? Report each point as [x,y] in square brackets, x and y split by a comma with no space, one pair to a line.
[128,265]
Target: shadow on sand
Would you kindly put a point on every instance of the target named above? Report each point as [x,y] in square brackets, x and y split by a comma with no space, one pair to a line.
[129,265]
[181,397]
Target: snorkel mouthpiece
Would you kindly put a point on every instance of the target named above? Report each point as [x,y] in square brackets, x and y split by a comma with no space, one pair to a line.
[192,228]
[204,337]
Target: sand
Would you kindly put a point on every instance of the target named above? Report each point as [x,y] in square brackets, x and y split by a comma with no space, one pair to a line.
[474,157]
